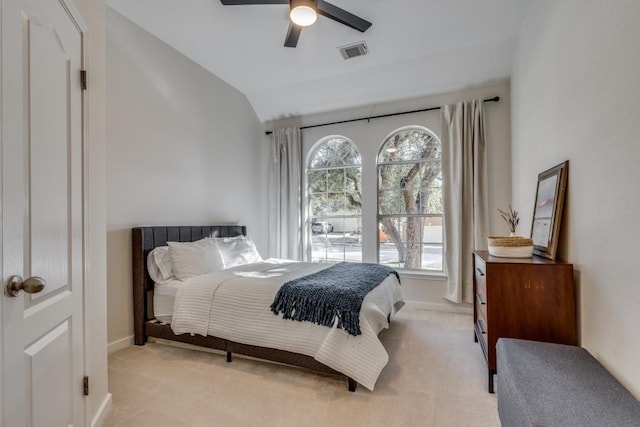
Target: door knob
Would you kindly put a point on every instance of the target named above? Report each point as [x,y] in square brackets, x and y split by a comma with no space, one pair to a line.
[32,285]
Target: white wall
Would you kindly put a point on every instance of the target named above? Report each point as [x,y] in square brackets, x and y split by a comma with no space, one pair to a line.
[368,137]
[183,148]
[575,96]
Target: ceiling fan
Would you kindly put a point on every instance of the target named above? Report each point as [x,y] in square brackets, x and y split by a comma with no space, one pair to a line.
[305,12]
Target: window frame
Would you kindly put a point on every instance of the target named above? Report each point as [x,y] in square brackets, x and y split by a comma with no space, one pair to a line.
[308,213]
[410,271]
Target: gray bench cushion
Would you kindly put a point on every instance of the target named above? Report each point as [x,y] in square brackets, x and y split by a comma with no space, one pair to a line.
[544,384]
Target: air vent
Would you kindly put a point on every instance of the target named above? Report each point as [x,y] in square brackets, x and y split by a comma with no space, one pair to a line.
[353,50]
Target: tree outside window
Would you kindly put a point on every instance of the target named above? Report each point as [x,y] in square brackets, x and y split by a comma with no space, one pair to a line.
[410,200]
[334,177]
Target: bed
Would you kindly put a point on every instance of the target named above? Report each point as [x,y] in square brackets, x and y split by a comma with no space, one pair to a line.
[258,333]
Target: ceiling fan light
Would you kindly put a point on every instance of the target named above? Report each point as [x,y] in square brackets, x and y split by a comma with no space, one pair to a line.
[303,13]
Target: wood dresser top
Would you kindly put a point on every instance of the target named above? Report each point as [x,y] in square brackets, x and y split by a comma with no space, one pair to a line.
[500,260]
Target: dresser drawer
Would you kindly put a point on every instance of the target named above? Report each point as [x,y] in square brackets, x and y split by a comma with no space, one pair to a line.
[481,305]
[481,278]
[481,333]
[482,316]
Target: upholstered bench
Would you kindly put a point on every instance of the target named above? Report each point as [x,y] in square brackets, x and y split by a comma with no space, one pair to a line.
[544,384]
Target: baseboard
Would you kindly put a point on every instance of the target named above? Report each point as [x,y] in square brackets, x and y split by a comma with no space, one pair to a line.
[103,411]
[444,306]
[120,344]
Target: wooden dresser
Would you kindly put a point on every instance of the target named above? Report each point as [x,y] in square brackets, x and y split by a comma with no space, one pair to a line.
[528,298]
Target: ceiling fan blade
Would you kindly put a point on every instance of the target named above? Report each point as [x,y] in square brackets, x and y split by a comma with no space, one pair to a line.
[243,2]
[349,19]
[293,34]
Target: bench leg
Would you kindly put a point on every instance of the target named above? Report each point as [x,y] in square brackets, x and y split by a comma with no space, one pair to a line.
[229,357]
[352,384]
[492,372]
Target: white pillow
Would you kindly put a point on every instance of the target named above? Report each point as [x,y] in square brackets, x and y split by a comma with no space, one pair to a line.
[190,259]
[159,265]
[153,269]
[238,250]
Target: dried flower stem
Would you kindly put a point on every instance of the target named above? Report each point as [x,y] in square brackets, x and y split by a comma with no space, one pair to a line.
[511,218]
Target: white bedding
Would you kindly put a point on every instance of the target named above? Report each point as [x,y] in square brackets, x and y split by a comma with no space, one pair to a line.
[164,297]
[234,304]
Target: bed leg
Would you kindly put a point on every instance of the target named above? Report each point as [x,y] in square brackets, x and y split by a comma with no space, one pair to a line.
[352,384]
[229,357]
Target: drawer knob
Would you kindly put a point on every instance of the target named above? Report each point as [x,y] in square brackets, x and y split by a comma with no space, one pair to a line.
[483,329]
[480,272]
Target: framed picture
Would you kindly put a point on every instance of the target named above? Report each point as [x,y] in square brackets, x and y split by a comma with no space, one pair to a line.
[547,211]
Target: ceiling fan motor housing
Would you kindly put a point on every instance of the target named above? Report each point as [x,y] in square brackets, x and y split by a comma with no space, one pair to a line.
[313,4]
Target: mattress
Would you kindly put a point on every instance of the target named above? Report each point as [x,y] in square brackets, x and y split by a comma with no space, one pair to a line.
[164,297]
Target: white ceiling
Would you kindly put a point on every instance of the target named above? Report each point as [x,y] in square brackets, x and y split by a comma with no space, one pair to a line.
[417,48]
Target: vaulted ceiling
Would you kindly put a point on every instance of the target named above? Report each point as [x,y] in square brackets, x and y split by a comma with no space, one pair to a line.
[416,48]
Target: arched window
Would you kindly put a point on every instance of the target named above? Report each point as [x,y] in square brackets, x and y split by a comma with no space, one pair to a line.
[410,200]
[334,178]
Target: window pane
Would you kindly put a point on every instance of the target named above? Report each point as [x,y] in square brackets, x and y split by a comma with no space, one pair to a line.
[336,180]
[351,155]
[342,243]
[412,144]
[419,201]
[353,177]
[335,204]
[318,204]
[390,176]
[431,198]
[353,203]
[411,243]
[321,157]
[334,153]
[412,201]
[433,230]
[390,202]
[318,181]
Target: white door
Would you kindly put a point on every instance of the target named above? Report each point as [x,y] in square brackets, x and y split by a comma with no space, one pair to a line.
[42,213]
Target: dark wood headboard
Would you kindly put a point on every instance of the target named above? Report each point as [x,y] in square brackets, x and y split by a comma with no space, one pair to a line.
[144,240]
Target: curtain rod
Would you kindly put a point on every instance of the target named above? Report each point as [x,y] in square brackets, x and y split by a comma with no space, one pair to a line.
[494,99]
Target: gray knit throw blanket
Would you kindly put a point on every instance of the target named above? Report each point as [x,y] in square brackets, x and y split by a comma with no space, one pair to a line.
[335,292]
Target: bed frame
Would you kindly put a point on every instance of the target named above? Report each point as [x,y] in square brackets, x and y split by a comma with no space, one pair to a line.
[144,240]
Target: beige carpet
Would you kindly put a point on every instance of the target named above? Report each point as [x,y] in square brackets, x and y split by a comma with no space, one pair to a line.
[436,376]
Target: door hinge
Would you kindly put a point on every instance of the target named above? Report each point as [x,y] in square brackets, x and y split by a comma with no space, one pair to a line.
[83,79]
[85,386]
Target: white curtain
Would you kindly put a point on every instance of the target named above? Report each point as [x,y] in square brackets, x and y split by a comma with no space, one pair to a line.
[464,162]
[285,219]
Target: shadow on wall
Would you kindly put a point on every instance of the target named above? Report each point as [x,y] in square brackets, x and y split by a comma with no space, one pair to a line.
[577,279]
[119,283]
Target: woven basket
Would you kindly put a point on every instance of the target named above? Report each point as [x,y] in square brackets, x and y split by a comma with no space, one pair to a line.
[509,242]
[510,247]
